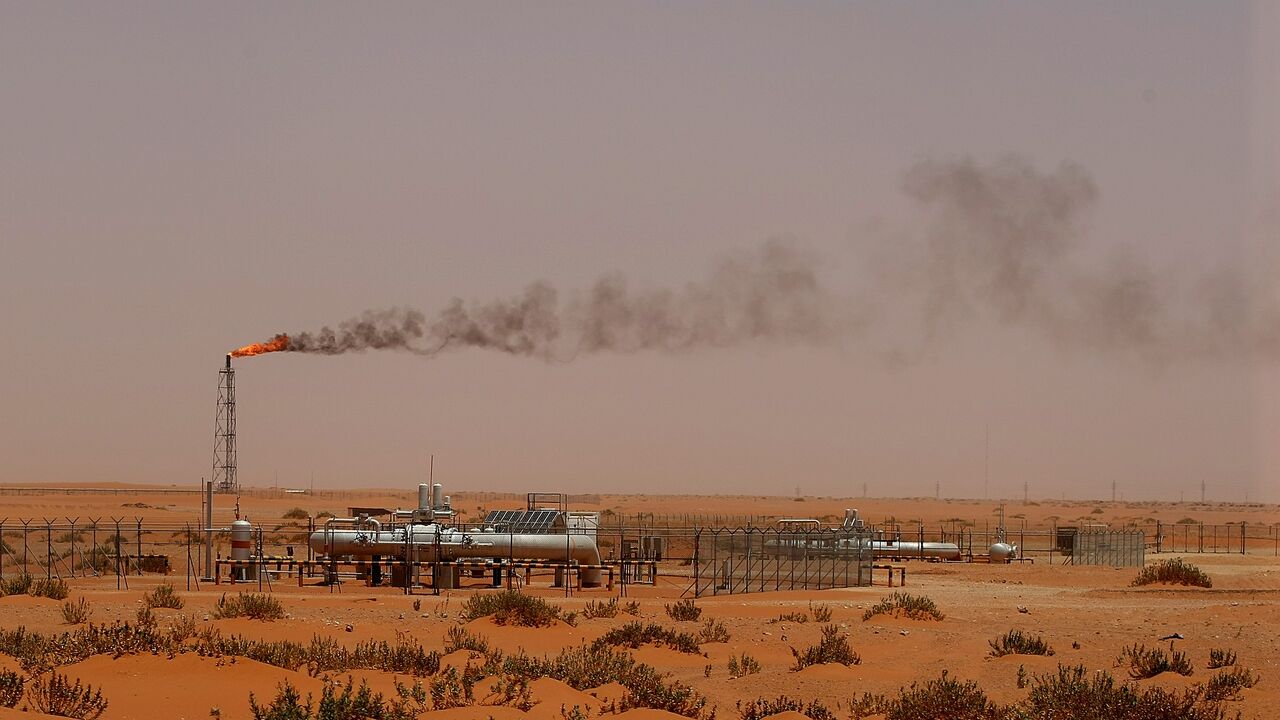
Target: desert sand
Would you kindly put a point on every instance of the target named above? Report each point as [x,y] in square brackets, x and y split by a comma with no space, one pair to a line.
[1087,614]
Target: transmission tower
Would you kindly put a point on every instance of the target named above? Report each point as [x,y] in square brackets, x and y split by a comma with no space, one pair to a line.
[224,433]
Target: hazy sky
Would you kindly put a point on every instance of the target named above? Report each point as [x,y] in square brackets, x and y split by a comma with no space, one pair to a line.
[182,179]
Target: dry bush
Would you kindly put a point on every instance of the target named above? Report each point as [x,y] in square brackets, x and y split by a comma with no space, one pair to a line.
[1075,693]
[916,607]
[76,613]
[296,513]
[1144,663]
[632,608]
[163,596]
[821,612]
[938,698]
[510,607]
[744,665]
[11,686]
[1173,572]
[635,634]
[1221,657]
[795,617]
[54,694]
[833,648]
[684,611]
[760,708]
[1227,684]
[251,605]
[1015,642]
[596,609]
[459,638]
[713,632]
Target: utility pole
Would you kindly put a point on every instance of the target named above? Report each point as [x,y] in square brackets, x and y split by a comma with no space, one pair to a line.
[1025,485]
[1201,492]
[937,489]
[1113,491]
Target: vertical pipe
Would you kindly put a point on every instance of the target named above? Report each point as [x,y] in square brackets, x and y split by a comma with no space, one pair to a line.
[208,530]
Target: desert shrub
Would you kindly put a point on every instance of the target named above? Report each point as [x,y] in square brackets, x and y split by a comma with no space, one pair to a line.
[760,708]
[54,694]
[795,617]
[70,537]
[11,686]
[251,605]
[296,513]
[1173,572]
[459,638]
[632,608]
[16,584]
[451,689]
[916,607]
[744,665]
[163,596]
[1144,663]
[350,703]
[821,612]
[510,607]
[648,688]
[1221,657]
[54,589]
[146,617]
[684,611]
[713,632]
[1227,684]
[941,698]
[76,613]
[1016,642]
[596,609]
[635,634]
[833,648]
[1075,693]
[182,628]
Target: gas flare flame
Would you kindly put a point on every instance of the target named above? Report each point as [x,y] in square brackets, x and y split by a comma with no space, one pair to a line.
[278,343]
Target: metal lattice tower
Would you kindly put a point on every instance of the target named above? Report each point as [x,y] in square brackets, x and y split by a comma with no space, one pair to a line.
[224,433]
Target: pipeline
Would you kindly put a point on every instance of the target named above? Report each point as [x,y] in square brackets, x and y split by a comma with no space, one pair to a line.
[432,542]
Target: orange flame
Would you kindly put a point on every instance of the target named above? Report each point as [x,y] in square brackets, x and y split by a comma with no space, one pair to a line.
[275,344]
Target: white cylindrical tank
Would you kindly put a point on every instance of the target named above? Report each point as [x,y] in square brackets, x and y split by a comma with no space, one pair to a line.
[242,549]
[437,496]
[1002,552]
[424,496]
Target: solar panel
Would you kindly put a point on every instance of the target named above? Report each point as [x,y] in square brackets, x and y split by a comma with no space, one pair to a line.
[522,521]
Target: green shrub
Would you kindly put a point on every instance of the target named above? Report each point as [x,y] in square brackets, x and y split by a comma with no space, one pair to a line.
[760,708]
[632,608]
[833,648]
[251,605]
[54,694]
[163,596]
[1144,663]
[510,607]
[1227,684]
[1173,572]
[76,613]
[821,613]
[11,686]
[1220,658]
[684,611]
[899,604]
[1015,642]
